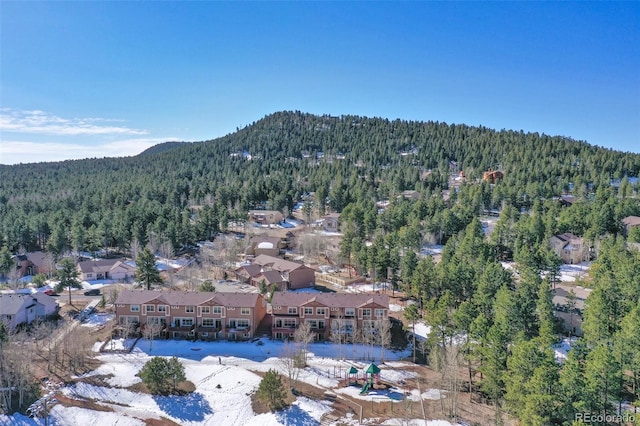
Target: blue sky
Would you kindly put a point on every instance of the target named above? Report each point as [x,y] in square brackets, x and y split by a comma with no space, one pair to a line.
[94,79]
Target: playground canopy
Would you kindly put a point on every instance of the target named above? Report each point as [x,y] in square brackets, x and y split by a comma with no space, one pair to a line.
[372,369]
[353,370]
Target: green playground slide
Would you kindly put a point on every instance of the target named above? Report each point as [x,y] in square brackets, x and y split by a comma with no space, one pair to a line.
[365,388]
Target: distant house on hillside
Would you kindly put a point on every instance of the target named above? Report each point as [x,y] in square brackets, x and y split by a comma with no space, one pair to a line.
[105,269]
[630,222]
[330,222]
[492,176]
[16,309]
[410,195]
[566,200]
[265,217]
[569,248]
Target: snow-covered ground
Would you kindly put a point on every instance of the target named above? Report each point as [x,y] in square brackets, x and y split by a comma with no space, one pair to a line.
[562,348]
[569,273]
[224,374]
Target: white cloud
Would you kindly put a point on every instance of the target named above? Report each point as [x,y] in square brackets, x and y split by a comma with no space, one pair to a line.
[14,152]
[40,122]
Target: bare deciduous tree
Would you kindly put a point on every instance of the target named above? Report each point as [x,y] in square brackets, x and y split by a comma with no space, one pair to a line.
[292,360]
[384,336]
[151,330]
[304,335]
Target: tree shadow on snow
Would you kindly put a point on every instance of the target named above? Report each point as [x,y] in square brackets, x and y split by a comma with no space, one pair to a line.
[193,407]
[296,416]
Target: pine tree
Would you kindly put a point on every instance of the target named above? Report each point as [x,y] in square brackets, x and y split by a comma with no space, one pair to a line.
[68,277]
[161,375]
[146,273]
[271,391]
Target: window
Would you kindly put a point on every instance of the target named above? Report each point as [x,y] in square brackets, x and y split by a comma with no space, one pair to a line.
[217,309]
[126,320]
[292,310]
[242,323]
[316,324]
[206,309]
[184,322]
[189,309]
[162,308]
[245,311]
[369,324]
[150,308]
[290,323]
[89,275]
[153,320]
[135,308]
[207,322]
[308,311]
[366,312]
[320,311]
[379,313]
[349,312]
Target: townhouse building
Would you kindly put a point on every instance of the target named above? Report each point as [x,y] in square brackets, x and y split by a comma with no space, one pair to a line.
[191,315]
[329,314]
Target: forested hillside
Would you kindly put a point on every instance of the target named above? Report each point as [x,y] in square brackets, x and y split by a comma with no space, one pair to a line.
[495,324]
[87,204]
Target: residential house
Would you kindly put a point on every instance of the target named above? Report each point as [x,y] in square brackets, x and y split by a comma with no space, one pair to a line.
[330,315]
[17,308]
[192,315]
[331,222]
[295,274]
[492,176]
[24,266]
[410,195]
[630,222]
[265,217]
[569,248]
[105,269]
[566,200]
[264,244]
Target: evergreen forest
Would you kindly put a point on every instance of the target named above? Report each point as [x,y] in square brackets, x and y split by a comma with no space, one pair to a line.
[497,325]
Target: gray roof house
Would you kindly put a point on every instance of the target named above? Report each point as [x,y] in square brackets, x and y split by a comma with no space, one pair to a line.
[16,309]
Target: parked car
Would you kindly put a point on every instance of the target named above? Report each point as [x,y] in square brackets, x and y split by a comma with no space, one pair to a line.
[50,292]
[92,292]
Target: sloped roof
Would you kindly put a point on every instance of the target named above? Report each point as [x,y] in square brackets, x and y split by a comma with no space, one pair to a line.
[277,264]
[101,265]
[11,304]
[249,270]
[631,221]
[186,298]
[270,277]
[332,300]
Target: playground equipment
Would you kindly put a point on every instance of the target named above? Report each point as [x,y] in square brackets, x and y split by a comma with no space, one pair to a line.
[373,373]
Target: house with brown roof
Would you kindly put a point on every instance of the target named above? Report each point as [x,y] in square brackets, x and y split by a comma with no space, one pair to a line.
[105,269]
[630,222]
[492,176]
[331,222]
[569,248]
[330,315]
[295,274]
[265,217]
[263,244]
[191,315]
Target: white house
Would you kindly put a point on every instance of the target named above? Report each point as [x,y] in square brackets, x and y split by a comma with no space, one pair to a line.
[16,309]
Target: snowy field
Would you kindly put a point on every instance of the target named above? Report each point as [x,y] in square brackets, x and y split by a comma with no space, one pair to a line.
[224,374]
